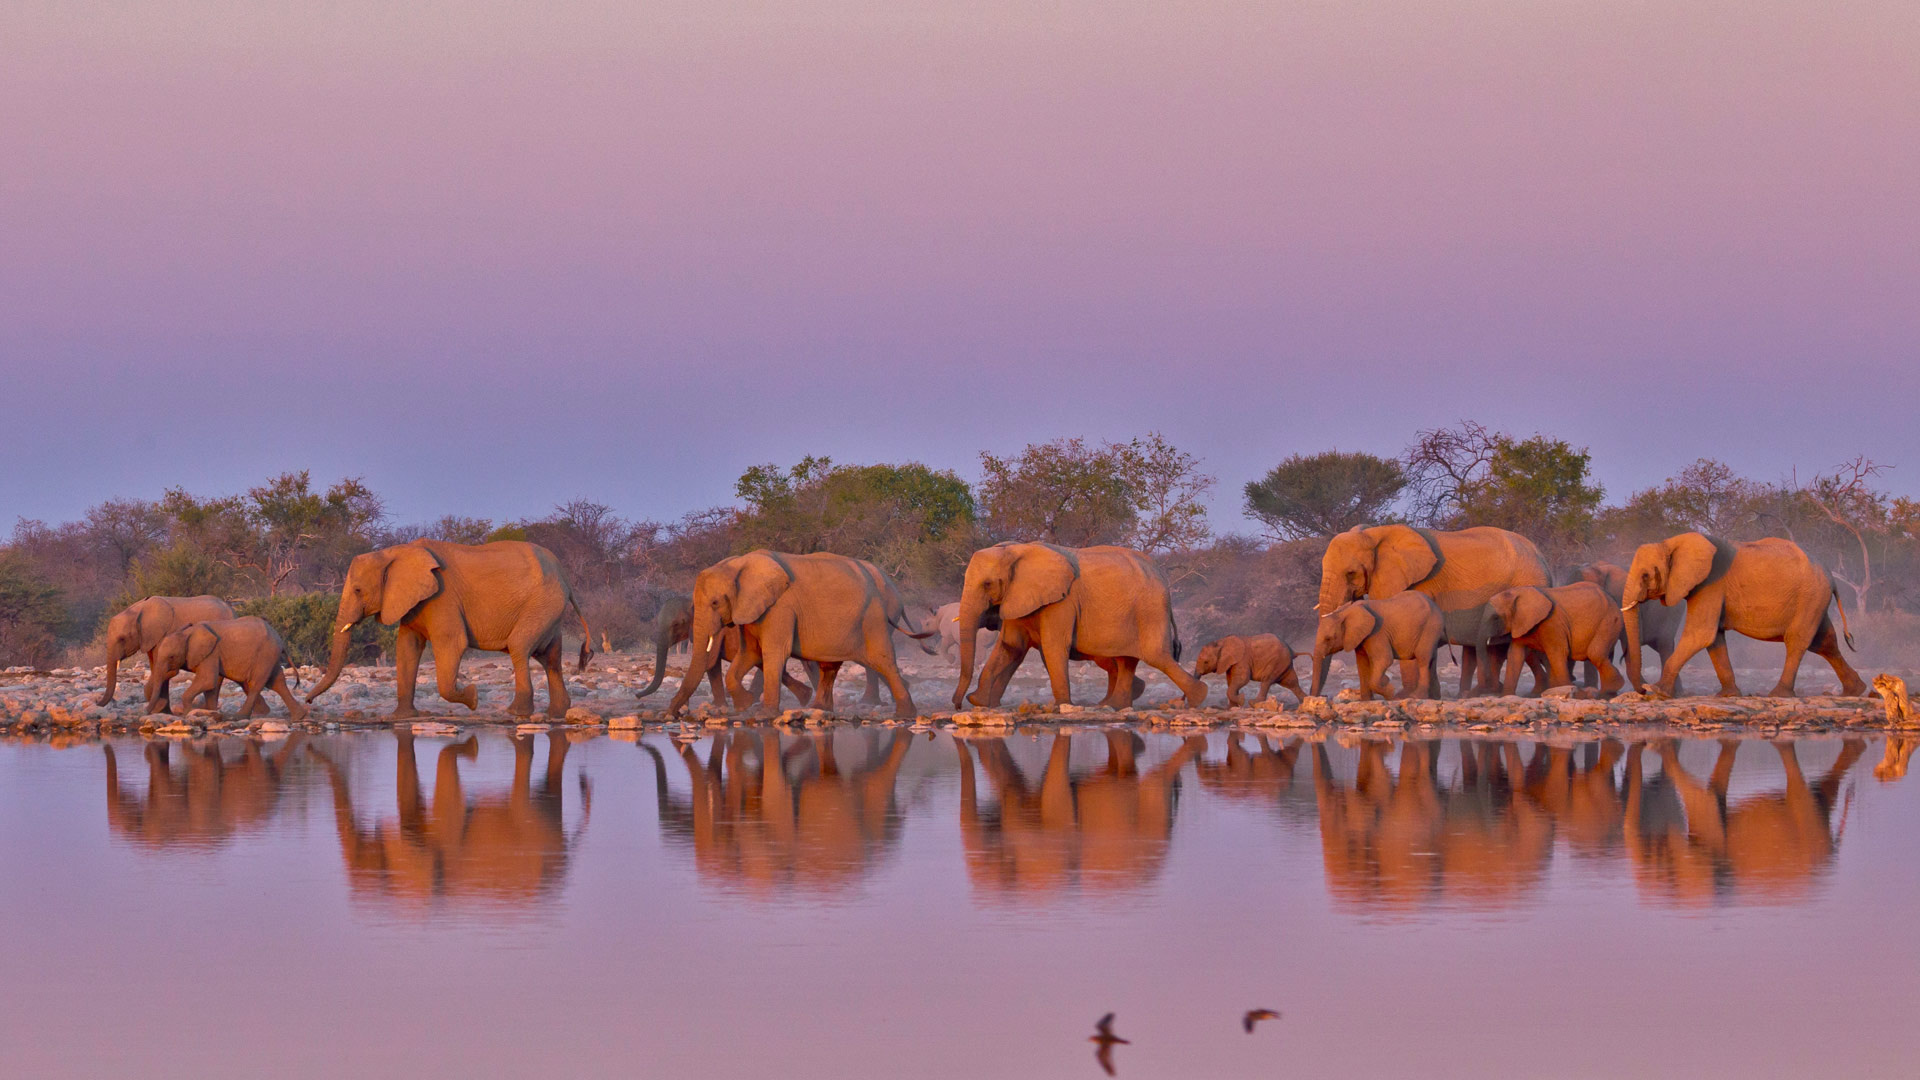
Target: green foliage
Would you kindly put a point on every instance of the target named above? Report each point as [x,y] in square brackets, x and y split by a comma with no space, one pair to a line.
[1146,493]
[509,531]
[1326,493]
[305,622]
[281,532]
[180,569]
[32,614]
[912,521]
[1539,487]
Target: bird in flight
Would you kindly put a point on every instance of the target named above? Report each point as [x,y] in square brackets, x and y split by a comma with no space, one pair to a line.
[1105,1038]
[1254,1016]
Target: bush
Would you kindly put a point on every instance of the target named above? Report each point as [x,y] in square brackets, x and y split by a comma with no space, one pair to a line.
[32,614]
[305,622]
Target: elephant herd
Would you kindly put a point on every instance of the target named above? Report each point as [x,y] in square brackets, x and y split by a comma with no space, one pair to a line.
[1389,594]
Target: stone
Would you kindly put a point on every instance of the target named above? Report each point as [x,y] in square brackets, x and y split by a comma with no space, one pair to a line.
[581,715]
[624,723]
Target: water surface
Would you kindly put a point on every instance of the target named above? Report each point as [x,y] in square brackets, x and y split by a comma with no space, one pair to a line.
[874,901]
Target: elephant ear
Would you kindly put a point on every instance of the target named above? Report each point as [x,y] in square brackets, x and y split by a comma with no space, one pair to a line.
[409,581]
[1611,578]
[152,620]
[200,644]
[1527,608]
[1042,575]
[1403,558]
[760,580]
[1356,622]
[1233,653]
[1693,560]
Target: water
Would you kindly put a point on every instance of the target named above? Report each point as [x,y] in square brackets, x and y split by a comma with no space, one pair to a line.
[885,904]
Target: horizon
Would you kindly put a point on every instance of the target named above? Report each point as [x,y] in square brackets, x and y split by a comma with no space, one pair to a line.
[489,258]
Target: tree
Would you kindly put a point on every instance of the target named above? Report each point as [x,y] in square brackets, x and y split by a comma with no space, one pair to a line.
[271,531]
[1847,498]
[1539,487]
[910,520]
[1323,494]
[1061,492]
[32,613]
[1443,465]
[1167,489]
[128,528]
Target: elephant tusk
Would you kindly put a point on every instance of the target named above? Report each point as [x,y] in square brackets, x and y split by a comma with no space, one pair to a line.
[343,628]
[705,643]
[1628,607]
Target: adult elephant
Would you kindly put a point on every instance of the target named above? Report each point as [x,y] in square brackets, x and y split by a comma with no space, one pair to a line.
[1768,590]
[1105,604]
[822,607]
[1659,623]
[142,625]
[1460,570]
[508,596]
[673,625]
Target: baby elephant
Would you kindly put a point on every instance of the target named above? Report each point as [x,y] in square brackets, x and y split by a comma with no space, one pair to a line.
[1565,624]
[248,651]
[1406,626]
[1262,658]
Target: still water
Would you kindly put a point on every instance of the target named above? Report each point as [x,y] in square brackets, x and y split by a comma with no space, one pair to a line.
[879,902]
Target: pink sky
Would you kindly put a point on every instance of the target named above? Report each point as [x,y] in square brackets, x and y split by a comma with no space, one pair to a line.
[497,255]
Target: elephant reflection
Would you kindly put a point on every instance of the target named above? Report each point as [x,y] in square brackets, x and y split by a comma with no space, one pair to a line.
[508,848]
[764,817]
[208,802]
[1395,842]
[1105,831]
[1690,845]
[1264,774]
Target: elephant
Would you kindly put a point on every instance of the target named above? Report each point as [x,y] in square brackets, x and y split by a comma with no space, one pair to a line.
[209,803]
[1767,589]
[508,596]
[947,619]
[245,650]
[1106,604]
[1563,624]
[510,848]
[765,817]
[1774,844]
[1263,659]
[825,608]
[141,626]
[673,624]
[1659,623]
[1263,775]
[1393,843]
[1460,570]
[1105,832]
[1406,626]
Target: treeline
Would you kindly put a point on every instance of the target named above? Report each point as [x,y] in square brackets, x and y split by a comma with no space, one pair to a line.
[283,547]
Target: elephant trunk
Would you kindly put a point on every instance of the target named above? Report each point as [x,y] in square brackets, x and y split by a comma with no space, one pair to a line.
[706,633]
[1321,662]
[662,641]
[336,660]
[116,652]
[1332,595]
[972,609]
[1631,661]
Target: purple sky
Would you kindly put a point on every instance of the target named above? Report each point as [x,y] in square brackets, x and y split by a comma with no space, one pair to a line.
[497,255]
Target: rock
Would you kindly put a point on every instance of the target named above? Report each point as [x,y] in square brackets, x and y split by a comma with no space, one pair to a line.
[272,727]
[581,715]
[1269,705]
[1559,692]
[624,723]
[982,718]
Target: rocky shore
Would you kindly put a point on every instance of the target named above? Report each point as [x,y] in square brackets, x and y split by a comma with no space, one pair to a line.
[59,705]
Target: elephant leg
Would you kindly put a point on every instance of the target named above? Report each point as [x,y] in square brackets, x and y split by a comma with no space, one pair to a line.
[1826,645]
[1469,662]
[1723,665]
[776,645]
[1516,658]
[1291,680]
[823,694]
[253,705]
[1559,669]
[880,661]
[446,676]
[558,700]
[295,710]
[207,684]
[1004,659]
[1056,645]
[801,692]
[1122,684]
[406,670]
[1490,658]
[872,694]
[1610,678]
[1796,644]
[1237,679]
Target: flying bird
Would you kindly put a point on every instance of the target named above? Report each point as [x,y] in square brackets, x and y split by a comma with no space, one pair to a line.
[1103,1035]
[1254,1016]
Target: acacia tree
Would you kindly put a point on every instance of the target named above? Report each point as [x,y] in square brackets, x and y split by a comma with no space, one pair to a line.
[1146,492]
[1167,489]
[1539,487]
[1323,494]
[1847,498]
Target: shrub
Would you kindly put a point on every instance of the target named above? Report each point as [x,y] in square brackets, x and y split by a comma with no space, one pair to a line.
[305,622]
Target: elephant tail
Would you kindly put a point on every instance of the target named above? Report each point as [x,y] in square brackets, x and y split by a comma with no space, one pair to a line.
[1845,631]
[586,635]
